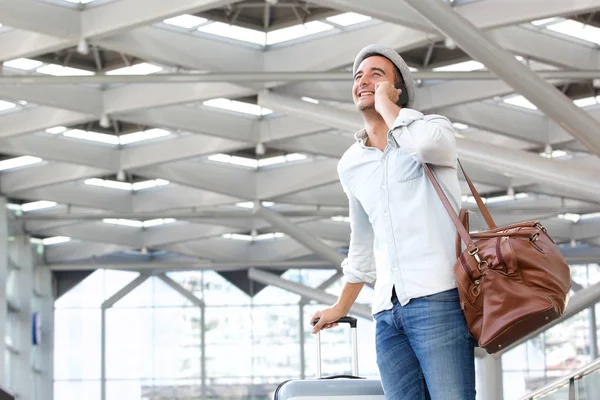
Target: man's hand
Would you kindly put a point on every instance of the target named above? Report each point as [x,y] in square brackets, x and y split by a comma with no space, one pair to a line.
[327,318]
[386,93]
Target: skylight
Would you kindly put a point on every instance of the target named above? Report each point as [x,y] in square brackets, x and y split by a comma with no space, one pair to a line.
[92,136]
[570,217]
[138,224]
[545,21]
[238,106]
[37,205]
[126,185]
[79,1]
[587,101]
[465,66]
[310,100]
[23,63]
[297,31]
[250,238]
[577,29]
[18,162]
[250,204]
[186,21]
[137,69]
[341,218]
[59,70]
[590,216]
[348,18]
[460,126]
[142,135]
[109,139]
[520,101]
[253,163]
[6,105]
[51,240]
[234,32]
[554,154]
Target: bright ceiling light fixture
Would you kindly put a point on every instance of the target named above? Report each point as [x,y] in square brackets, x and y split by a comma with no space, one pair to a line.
[138,224]
[186,21]
[18,162]
[59,70]
[6,105]
[577,29]
[297,31]
[24,64]
[136,69]
[37,205]
[465,66]
[92,136]
[107,183]
[234,32]
[143,135]
[349,18]
[520,101]
[238,106]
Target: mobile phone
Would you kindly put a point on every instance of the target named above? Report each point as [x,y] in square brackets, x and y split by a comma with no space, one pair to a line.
[403,100]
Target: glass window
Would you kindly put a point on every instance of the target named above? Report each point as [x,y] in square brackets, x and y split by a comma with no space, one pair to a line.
[77,390]
[77,344]
[93,290]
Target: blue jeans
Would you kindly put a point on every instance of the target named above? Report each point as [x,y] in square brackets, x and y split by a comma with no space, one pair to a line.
[425,350]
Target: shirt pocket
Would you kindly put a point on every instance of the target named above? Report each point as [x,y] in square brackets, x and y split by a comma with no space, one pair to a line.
[407,168]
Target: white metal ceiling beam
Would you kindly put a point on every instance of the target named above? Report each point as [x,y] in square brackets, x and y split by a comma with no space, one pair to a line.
[173,197]
[75,98]
[45,175]
[77,250]
[122,15]
[571,179]
[164,46]
[340,50]
[18,43]
[176,149]
[39,118]
[49,147]
[273,182]
[546,46]
[213,249]
[546,97]
[83,195]
[98,232]
[204,120]
[139,97]
[181,232]
[41,17]
[233,181]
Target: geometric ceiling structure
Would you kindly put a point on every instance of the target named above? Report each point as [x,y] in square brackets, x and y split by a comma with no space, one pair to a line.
[205,134]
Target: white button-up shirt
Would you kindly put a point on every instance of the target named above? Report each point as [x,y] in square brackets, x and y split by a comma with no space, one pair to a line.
[401,234]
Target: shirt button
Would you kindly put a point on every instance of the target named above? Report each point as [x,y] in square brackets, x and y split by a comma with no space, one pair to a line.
[385,213]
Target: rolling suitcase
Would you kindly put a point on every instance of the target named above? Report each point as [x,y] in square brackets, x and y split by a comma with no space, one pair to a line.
[335,387]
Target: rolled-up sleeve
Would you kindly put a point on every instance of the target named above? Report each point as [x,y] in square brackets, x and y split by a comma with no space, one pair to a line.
[431,139]
[359,266]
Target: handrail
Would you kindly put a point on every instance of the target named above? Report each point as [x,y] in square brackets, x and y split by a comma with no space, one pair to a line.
[569,379]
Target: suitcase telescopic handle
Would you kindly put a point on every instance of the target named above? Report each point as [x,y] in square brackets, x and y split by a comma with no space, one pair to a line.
[344,320]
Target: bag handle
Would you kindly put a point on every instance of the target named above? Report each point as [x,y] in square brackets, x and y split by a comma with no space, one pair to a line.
[460,228]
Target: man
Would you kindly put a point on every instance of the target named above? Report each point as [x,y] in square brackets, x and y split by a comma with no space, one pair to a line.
[402,235]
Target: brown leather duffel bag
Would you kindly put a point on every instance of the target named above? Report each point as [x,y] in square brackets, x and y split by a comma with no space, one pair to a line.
[511,280]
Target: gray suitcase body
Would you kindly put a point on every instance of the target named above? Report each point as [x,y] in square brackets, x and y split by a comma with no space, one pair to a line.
[343,387]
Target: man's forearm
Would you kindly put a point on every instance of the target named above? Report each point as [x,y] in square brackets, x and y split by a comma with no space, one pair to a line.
[389,112]
[348,296]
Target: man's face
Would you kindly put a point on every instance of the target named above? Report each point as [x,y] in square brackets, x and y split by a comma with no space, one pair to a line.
[371,71]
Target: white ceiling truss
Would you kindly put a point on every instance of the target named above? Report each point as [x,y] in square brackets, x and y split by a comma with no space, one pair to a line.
[183,202]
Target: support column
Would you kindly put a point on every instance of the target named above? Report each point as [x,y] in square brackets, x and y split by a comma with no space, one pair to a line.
[302,341]
[305,291]
[43,350]
[108,303]
[20,296]
[299,234]
[546,97]
[593,333]
[489,378]
[3,276]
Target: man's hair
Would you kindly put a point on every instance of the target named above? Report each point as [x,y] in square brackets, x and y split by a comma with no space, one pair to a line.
[397,74]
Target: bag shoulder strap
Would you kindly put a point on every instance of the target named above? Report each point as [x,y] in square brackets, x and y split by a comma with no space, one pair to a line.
[462,232]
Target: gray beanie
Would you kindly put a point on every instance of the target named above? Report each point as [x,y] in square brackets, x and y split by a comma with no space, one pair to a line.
[395,58]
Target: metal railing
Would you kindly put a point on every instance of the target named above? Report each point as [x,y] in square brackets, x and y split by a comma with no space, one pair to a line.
[568,382]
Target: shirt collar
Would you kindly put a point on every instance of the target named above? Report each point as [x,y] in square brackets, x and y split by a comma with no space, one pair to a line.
[361,137]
